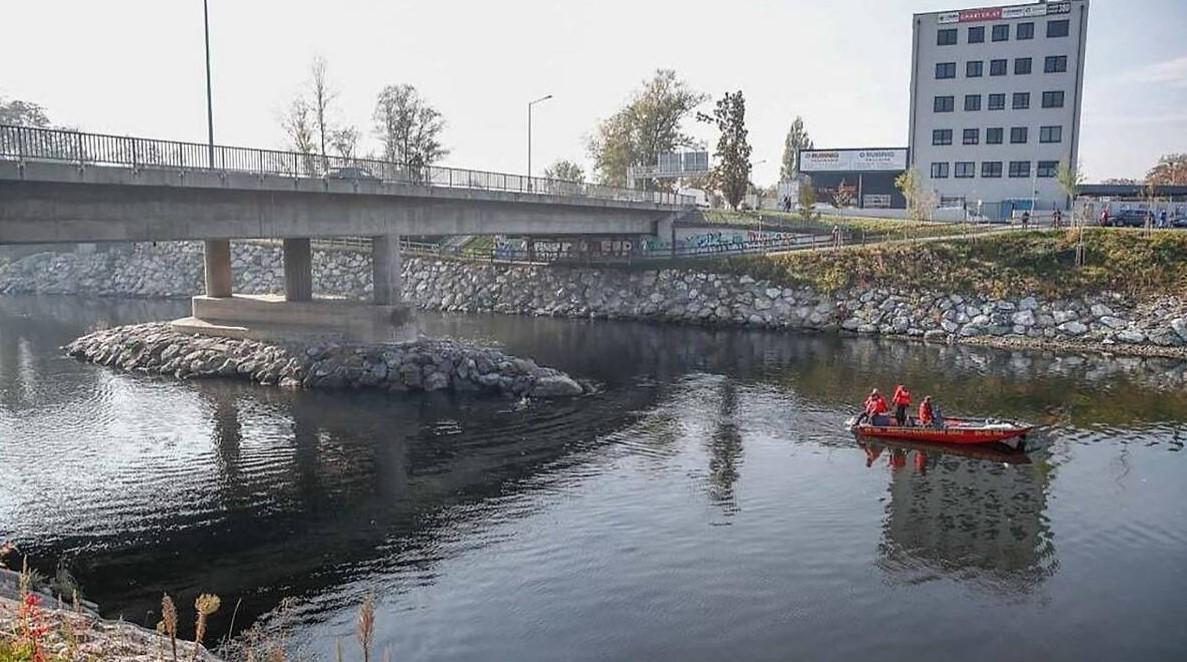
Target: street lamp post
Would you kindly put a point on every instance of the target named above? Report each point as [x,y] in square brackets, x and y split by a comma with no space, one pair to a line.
[209,103]
[530,104]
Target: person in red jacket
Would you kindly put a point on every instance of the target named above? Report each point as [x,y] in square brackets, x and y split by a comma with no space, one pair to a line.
[875,406]
[902,400]
[927,417]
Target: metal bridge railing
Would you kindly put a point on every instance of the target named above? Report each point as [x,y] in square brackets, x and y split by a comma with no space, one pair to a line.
[37,144]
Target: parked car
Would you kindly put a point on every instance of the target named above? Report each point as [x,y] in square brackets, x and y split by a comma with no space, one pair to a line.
[1132,218]
[357,173]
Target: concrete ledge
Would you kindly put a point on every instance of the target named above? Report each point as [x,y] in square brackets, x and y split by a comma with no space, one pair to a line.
[271,317]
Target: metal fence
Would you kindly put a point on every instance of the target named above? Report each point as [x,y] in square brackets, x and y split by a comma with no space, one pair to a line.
[35,144]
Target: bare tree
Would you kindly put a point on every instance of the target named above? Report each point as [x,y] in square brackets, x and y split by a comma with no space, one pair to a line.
[321,96]
[1071,178]
[345,142]
[298,123]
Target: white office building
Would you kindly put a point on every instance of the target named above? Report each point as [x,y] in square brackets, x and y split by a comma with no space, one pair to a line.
[995,103]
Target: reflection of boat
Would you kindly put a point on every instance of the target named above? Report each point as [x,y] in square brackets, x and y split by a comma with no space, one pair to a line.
[963,431]
[988,452]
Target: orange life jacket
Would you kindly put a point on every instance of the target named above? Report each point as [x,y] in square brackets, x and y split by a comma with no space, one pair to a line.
[902,397]
[926,416]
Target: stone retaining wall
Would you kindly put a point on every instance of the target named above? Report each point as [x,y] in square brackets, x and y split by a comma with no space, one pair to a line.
[685,296]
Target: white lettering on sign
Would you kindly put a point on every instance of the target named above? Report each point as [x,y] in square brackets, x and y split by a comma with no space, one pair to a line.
[843,160]
[999,13]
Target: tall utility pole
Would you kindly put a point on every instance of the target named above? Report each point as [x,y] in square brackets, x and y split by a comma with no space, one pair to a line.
[209,104]
[530,104]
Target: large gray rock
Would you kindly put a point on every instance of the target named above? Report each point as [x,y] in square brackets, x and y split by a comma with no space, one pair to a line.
[1073,328]
[555,386]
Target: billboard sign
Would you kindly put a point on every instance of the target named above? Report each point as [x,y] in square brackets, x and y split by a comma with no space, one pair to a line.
[853,160]
[1005,13]
[671,165]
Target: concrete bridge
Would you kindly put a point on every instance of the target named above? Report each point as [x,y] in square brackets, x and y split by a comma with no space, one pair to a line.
[65,186]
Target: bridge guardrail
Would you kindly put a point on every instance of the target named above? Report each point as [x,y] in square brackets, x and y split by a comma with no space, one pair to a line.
[37,144]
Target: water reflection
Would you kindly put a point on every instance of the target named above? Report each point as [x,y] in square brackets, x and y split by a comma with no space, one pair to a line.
[592,524]
[971,514]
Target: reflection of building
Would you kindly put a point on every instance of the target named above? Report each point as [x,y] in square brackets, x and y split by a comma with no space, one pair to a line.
[969,519]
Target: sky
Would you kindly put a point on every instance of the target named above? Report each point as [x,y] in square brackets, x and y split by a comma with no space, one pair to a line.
[136,67]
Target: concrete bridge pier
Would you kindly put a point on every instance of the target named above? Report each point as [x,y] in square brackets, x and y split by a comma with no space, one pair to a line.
[385,269]
[217,262]
[298,270]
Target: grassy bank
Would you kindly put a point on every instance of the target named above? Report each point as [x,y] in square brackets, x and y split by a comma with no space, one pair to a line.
[1006,264]
[907,228]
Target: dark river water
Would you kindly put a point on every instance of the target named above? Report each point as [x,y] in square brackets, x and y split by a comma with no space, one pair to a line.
[704,504]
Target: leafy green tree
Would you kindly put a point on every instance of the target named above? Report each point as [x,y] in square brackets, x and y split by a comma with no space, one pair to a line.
[731,175]
[797,139]
[808,200]
[408,127]
[649,125]
[565,170]
[22,113]
[1070,179]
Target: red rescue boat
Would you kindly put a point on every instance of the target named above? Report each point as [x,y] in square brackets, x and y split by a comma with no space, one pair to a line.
[953,431]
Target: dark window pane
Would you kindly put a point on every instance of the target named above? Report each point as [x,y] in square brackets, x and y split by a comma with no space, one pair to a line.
[1053,99]
[971,136]
[1020,168]
[1050,134]
[939,170]
[973,68]
[991,168]
[997,101]
[1026,31]
[1057,28]
[1021,100]
[1047,168]
[1018,135]
[946,37]
[977,35]
[941,137]
[997,67]
[1055,64]
[1021,66]
[1001,32]
[993,136]
[944,104]
[945,70]
[966,169]
[972,102]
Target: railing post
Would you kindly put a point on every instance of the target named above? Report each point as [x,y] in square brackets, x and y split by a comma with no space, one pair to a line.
[20,143]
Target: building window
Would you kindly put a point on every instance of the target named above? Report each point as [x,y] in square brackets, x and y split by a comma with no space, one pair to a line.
[945,70]
[977,35]
[1055,64]
[997,67]
[1046,169]
[1017,135]
[1021,100]
[993,135]
[973,68]
[972,102]
[1050,134]
[1053,99]
[965,169]
[971,137]
[1054,28]
[1020,168]
[1001,32]
[1025,31]
[941,136]
[1021,66]
[947,37]
[991,169]
[945,104]
[997,101]
[939,170]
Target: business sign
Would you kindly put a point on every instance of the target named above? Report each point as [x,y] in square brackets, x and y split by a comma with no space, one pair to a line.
[852,160]
[672,165]
[1005,13]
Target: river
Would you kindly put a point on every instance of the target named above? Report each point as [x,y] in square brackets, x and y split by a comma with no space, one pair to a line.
[704,503]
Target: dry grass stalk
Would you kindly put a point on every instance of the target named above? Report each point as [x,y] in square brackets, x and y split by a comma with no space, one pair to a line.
[205,605]
[169,621]
[366,626]
[338,649]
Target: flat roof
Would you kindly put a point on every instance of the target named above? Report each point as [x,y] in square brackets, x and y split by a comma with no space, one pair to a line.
[1001,12]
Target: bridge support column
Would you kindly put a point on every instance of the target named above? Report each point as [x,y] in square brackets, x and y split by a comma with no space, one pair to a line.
[218,267]
[298,270]
[385,269]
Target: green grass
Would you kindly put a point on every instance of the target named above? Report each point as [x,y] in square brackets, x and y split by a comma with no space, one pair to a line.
[908,228]
[1005,264]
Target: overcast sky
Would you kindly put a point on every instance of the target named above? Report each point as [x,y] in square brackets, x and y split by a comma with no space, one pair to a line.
[136,67]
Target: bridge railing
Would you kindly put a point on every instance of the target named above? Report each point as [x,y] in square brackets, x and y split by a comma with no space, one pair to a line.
[37,144]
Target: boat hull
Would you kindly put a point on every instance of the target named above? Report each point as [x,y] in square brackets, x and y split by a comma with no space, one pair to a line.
[955,431]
